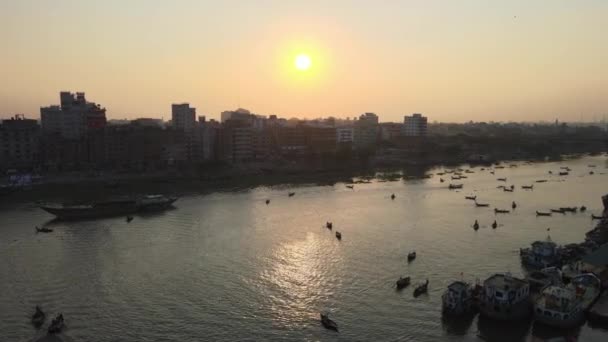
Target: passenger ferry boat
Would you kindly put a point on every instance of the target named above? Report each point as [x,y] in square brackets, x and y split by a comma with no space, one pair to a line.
[505,297]
[458,298]
[565,306]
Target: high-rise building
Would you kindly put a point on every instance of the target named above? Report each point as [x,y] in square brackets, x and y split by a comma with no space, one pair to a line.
[19,138]
[366,131]
[183,117]
[73,118]
[415,125]
[238,136]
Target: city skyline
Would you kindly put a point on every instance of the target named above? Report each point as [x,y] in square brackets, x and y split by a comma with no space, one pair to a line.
[454,62]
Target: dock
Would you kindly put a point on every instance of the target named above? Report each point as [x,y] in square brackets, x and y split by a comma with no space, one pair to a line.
[600,309]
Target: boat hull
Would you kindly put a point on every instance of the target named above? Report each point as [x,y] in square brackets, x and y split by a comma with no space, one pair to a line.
[158,206]
[79,214]
[557,320]
[514,312]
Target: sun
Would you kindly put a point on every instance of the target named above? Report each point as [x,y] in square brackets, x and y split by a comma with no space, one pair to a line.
[303,62]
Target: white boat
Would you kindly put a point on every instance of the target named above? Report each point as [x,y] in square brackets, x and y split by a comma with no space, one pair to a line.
[565,306]
[505,297]
[458,298]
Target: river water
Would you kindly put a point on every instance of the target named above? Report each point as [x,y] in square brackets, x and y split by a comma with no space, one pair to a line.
[226,266]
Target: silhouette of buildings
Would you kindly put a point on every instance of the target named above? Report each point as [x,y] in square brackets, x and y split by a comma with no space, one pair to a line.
[75,136]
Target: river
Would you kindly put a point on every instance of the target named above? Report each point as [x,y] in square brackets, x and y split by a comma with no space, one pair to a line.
[226,266]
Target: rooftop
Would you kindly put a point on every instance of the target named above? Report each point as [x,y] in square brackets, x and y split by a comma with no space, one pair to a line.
[458,286]
[505,281]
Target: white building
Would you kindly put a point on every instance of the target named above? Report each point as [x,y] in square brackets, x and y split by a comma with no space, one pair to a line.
[415,125]
[183,117]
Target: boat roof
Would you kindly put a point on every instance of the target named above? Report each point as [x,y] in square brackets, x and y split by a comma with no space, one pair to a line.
[597,258]
[504,281]
[544,243]
[458,286]
[586,279]
[559,292]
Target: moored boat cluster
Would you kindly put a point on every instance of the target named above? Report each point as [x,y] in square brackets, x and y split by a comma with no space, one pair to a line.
[561,286]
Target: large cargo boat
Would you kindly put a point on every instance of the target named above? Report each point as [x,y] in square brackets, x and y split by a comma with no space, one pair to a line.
[110,208]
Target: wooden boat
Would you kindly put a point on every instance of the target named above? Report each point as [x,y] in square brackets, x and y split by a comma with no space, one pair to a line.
[565,173]
[583,209]
[38,317]
[455,186]
[527,187]
[56,325]
[350,186]
[594,217]
[329,225]
[291,194]
[540,213]
[558,211]
[507,189]
[328,323]
[482,204]
[422,288]
[456,177]
[339,235]
[43,230]
[411,256]
[403,283]
[541,181]
[569,209]
[501,179]
[501,211]
[470,197]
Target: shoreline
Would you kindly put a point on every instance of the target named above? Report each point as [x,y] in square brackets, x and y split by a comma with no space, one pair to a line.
[81,187]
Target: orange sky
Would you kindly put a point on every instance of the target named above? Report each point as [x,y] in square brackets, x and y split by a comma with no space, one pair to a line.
[451,60]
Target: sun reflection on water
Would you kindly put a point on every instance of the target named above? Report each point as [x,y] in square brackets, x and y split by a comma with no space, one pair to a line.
[298,280]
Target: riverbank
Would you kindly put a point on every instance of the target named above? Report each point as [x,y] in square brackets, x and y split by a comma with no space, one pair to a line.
[78,186]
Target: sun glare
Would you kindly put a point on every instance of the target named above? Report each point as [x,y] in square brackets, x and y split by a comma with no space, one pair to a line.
[303,62]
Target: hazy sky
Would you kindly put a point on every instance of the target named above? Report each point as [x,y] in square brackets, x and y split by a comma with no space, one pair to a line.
[454,60]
